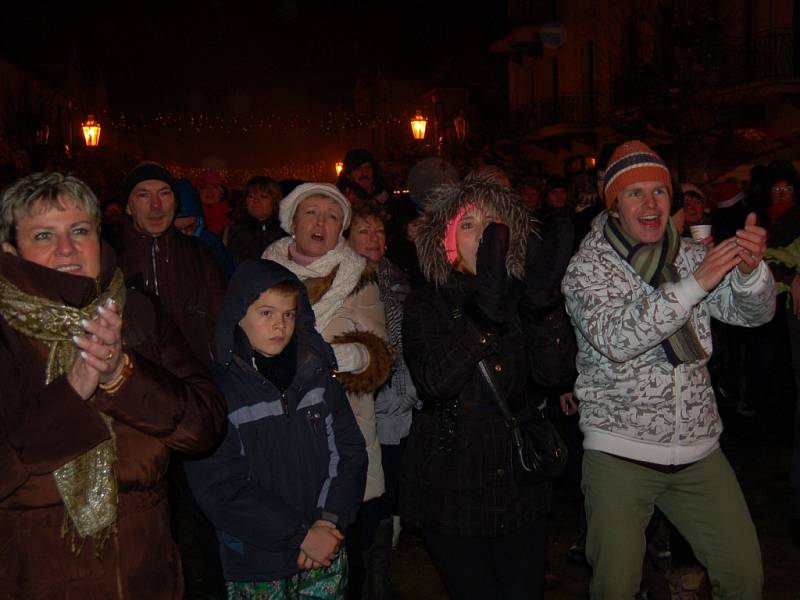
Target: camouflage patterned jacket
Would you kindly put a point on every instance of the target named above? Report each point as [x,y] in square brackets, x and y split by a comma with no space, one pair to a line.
[633,403]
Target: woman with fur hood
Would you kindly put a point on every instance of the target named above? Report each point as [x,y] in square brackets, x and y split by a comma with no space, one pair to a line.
[342,287]
[487,276]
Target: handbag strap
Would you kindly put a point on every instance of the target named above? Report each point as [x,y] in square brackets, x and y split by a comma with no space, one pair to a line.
[498,397]
[505,411]
[483,367]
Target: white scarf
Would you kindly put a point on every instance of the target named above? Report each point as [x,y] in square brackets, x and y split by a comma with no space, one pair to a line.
[350,264]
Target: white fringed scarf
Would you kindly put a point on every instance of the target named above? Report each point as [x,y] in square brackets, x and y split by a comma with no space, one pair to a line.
[350,264]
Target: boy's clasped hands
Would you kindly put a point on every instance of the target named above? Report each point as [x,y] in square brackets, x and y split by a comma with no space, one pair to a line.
[320,546]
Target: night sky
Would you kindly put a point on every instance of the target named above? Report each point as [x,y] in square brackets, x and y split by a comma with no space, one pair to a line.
[228,58]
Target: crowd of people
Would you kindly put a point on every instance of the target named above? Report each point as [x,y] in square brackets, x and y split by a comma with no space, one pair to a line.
[246,395]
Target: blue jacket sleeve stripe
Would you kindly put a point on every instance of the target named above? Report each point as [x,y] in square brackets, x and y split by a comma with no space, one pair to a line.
[312,398]
[333,463]
[248,414]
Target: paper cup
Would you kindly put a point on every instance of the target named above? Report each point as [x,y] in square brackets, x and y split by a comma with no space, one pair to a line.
[700,232]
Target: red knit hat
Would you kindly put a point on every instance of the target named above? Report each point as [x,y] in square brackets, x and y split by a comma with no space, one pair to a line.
[631,163]
[728,194]
[209,177]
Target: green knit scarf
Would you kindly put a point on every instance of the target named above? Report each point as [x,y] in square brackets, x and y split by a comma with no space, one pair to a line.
[655,264]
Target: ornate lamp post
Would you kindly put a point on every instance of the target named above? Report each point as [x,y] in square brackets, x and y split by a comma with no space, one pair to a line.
[418,125]
[91,132]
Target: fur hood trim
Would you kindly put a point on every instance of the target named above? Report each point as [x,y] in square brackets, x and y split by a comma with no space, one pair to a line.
[444,204]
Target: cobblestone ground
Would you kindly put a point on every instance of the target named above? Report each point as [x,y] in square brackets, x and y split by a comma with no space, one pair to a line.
[759,450]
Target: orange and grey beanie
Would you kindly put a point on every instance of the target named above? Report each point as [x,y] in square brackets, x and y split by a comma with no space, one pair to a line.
[631,163]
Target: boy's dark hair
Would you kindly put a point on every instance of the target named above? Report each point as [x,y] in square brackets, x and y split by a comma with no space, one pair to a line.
[285,288]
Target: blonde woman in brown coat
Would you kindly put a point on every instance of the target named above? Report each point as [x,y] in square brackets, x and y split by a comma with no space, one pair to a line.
[98,387]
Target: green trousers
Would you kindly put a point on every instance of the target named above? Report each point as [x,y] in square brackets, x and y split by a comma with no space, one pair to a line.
[703,501]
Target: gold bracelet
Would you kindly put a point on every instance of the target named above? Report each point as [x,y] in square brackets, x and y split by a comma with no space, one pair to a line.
[113,386]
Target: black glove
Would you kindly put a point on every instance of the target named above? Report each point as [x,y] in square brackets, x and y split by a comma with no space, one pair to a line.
[491,296]
[546,262]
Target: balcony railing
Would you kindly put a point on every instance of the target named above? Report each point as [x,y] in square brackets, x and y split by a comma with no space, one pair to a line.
[771,55]
[562,110]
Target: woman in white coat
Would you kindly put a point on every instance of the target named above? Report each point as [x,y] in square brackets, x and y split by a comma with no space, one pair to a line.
[343,290]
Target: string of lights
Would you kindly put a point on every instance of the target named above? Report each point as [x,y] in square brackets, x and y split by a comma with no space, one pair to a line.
[251,123]
[311,171]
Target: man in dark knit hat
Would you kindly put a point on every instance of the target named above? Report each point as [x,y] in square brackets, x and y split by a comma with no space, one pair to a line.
[154,256]
[641,299]
[182,272]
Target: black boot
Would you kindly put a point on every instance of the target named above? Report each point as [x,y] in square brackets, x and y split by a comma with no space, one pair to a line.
[378,560]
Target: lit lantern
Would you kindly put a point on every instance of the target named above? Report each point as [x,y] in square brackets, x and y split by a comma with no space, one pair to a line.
[91,132]
[339,167]
[460,125]
[418,125]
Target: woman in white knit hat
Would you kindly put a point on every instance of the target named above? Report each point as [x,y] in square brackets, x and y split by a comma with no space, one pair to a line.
[342,287]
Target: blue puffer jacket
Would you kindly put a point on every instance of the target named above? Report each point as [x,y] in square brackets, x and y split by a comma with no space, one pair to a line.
[287,459]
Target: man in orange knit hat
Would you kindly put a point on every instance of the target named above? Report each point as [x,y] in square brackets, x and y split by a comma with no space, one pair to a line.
[640,299]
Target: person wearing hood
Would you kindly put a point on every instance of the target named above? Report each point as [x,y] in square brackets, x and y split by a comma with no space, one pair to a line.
[486,273]
[641,299]
[344,294]
[289,476]
[189,220]
[256,226]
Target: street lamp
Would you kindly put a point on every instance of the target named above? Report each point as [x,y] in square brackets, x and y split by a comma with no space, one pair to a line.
[460,125]
[91,132]
[418,125]
[339,167]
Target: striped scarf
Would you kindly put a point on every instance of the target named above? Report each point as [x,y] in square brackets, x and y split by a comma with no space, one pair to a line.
[655,264]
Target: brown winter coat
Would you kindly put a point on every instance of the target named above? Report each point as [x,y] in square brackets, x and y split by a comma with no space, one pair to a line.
[169,402]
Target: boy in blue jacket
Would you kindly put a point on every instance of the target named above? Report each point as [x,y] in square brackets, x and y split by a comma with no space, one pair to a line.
[289,475]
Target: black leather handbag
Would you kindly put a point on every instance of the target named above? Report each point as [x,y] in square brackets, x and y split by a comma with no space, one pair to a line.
[538,452]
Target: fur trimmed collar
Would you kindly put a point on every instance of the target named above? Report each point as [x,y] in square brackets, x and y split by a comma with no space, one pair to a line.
[445,202]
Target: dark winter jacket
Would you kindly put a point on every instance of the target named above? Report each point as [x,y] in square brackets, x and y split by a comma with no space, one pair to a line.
[288,459]
[249,237]
[168,402]
[457,467]
[457,477]
[181,271]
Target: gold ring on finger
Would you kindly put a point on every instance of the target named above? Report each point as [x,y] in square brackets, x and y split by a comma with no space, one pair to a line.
[109,356]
